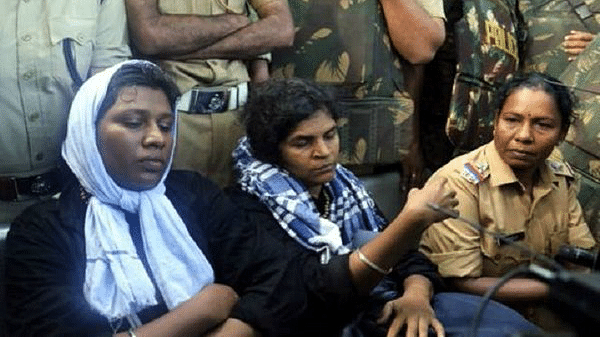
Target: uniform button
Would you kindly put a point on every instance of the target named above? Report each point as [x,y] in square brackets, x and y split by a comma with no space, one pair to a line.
[26,38]
[497,257]
[80,37]
[28,75]
[39,156]
[25,1]
[34,117]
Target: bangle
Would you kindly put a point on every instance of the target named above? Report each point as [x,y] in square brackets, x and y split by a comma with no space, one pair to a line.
[372,265]
[131,333]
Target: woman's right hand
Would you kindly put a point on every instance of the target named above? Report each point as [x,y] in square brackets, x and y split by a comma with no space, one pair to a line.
[435,192]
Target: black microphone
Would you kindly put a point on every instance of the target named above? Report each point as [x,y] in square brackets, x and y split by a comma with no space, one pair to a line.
[578,256]
[574,296]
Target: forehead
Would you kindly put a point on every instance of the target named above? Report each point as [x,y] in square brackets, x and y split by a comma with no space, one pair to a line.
[141,98]
[318,123]
[533,102]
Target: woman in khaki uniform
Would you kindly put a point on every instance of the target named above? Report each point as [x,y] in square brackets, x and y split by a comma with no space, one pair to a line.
[510,187]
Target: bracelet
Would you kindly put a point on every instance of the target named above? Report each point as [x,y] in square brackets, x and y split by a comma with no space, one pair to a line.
[372,265]
[131,333]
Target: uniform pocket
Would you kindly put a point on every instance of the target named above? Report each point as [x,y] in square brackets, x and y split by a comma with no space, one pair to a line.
[76,22]
[499,258]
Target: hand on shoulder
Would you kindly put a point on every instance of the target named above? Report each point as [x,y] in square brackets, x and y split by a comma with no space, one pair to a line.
[435,192]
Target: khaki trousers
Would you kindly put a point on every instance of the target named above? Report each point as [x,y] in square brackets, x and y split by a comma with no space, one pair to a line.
[205,143]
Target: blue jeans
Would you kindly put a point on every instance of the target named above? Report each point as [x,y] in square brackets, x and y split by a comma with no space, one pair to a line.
[455,311]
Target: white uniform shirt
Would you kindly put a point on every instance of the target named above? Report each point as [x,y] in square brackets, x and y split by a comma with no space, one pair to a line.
[36,86]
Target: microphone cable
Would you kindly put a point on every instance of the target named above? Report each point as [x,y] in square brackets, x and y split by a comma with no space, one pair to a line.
[499,237]
[520,270]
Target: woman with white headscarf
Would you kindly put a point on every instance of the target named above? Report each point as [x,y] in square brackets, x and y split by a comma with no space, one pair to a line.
[124,250]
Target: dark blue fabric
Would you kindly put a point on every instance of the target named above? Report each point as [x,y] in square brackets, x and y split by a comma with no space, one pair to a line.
[457,310]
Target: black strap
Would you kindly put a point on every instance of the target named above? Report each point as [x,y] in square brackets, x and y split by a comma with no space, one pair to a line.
[71,66]
[522,32]
[13,189]
[477,81]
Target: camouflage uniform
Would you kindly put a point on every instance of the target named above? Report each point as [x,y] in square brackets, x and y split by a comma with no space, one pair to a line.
[488,54]
[548,22]
[581,147]
[345,44]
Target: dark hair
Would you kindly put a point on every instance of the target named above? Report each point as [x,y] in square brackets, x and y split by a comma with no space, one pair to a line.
[276,107]
[563,97]
[144,74]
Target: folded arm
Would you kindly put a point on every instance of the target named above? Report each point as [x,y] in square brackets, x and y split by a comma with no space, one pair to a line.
[229,36]
[414,33]
[45,280]
[205,311]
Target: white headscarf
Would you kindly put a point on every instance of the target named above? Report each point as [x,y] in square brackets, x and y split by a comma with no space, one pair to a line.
[116,283]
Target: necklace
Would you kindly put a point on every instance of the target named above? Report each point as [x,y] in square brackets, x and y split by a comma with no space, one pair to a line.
[84,195]
[326,204]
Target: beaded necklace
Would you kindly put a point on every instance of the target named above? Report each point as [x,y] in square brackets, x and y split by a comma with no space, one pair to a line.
[323,202]
[84,195]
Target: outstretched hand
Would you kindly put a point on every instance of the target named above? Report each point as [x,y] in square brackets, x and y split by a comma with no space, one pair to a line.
[434,192]
[414,312]
[576,42]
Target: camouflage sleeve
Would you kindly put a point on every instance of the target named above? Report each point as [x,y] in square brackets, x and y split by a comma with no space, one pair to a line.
[579,231]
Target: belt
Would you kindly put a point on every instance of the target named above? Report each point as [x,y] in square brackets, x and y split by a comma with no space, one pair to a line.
[209,100]
[20,189]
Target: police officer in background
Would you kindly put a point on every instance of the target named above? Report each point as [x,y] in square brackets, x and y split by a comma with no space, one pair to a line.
[48,48]
[213,50]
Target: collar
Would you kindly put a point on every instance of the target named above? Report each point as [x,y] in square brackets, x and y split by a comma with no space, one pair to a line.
[502,174]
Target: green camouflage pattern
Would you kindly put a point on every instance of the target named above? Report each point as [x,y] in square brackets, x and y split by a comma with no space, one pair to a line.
[548,21]
[373,130]
[487,55]
[344,44]
[581,148]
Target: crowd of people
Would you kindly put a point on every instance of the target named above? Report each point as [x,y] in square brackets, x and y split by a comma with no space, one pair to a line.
[167,172]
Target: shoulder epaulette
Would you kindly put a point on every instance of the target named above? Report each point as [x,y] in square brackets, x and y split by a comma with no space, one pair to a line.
[475,172]
[560,168]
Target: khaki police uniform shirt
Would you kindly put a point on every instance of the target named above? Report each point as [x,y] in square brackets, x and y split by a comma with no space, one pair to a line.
[490,194]
[36,86]
[201,72]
